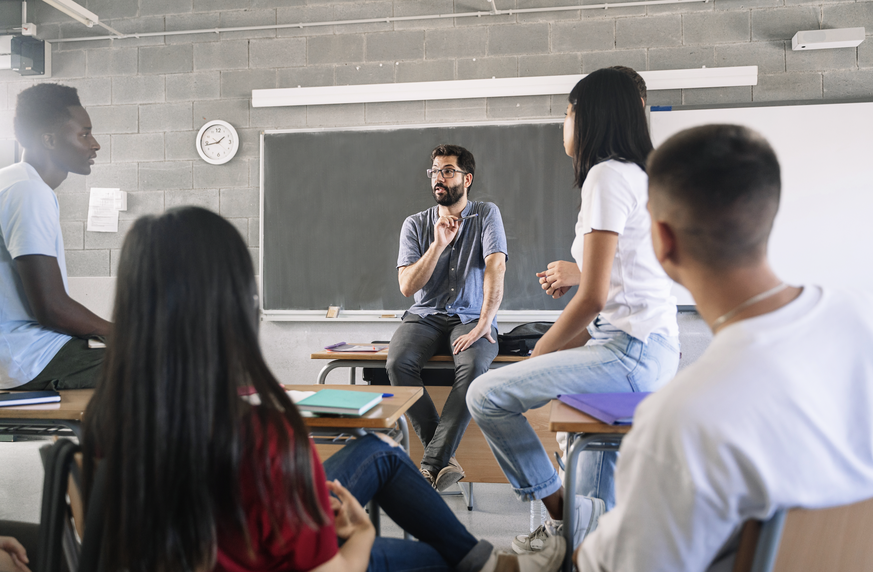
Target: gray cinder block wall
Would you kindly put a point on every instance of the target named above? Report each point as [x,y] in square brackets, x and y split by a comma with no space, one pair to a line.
[149,96]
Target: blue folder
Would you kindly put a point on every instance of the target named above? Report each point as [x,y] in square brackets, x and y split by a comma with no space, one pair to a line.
[611,408]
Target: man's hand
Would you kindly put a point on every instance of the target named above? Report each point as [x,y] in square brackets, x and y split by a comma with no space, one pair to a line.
[559,277]
[349,515]
[445,230]
[13,557]
[468,339]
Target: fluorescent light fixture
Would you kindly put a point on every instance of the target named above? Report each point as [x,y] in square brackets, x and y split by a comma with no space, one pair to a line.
[75,11]
[495,87]
[827,39]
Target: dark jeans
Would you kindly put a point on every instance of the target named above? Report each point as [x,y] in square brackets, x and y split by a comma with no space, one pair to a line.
[371,469]
[416,341]
[75,366]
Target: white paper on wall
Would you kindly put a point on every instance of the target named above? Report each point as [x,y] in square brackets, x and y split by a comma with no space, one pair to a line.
[103,208]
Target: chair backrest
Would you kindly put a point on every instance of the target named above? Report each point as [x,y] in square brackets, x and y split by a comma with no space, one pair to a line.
[57,541]
[801,540]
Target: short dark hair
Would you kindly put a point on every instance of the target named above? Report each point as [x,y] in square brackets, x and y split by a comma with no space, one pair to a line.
[637,79]
[42,108]
[465,159]
[610,122]
[719,185]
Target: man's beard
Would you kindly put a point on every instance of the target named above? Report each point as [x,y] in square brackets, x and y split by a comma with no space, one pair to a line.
[452,196]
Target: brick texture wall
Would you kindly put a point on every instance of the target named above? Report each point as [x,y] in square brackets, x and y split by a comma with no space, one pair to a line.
[149,96]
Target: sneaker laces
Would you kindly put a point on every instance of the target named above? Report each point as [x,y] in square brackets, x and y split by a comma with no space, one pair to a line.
[428,476]
[542,532]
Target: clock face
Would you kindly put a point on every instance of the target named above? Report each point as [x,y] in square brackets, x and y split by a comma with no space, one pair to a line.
[217,142]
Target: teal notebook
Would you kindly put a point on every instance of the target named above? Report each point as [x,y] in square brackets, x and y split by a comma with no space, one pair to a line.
[340,402]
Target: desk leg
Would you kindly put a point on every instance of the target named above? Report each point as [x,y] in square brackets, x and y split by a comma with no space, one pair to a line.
[373,509]
[352,371]
[576,444]
[404,432]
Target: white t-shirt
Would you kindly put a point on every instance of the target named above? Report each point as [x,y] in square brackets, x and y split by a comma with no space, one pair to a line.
[614,198]
[775,414]
[29,224]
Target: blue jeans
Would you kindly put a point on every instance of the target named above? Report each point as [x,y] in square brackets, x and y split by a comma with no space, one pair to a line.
[371,469]
[611,362]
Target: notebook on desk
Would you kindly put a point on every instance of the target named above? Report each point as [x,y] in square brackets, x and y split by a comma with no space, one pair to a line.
[340,402]
[611,408]
[344,347]
[16,398]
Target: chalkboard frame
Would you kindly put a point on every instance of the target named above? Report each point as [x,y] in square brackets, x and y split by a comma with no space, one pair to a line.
[386,315]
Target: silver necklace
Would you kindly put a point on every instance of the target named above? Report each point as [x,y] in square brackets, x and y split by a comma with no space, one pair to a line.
[753,300]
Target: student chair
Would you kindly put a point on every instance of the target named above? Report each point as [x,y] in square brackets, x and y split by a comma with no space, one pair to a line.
[800,540]
[63,517]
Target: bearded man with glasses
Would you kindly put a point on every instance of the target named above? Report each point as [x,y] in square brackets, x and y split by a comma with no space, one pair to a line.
[452,260]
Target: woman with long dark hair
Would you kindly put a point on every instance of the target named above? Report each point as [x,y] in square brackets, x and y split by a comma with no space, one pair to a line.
[198,479]
[619,332]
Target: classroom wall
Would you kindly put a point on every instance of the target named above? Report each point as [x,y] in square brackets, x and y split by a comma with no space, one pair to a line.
[148,97]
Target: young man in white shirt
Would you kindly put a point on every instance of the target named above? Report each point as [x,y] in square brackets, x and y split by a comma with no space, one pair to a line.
[43,332]
[776,413]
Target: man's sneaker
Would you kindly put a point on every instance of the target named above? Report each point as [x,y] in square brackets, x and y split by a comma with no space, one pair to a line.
[427,474]
[534,542]
[548,559]
[448,476]
[584,527]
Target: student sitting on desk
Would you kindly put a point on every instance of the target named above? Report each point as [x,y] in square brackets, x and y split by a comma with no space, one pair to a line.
[197,478]
[452,259]
[42,330]
[618,333]
[776,413]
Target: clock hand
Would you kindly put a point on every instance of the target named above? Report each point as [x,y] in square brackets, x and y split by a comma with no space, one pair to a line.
[214,142]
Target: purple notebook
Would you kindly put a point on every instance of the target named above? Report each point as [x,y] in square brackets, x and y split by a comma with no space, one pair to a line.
[611,408]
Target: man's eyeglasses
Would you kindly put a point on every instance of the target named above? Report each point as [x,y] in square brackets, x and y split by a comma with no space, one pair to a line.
[448,173]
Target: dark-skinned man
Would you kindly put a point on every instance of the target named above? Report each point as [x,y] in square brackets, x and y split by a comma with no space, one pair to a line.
[44,332]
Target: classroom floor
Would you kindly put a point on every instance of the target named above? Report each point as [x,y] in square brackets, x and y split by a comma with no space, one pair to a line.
[496,516]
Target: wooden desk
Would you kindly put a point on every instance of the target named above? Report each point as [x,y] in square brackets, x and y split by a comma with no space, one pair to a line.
[65,418]
[328,431]
[353,360]
[62,418]
[71,409]
[583,433]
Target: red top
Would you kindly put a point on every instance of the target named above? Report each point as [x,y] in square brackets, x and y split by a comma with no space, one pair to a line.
[292,546]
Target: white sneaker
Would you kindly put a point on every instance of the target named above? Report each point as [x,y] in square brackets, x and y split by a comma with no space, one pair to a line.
[548,559]
[536,540]
[589,507]
[583,527]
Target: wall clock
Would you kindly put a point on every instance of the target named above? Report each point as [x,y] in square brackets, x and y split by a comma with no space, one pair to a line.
[217,142]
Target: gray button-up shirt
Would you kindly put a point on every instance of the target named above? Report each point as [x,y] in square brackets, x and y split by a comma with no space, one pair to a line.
[456,286]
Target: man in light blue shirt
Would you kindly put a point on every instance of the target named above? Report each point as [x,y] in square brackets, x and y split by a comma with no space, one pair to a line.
[43,332]
[452,259]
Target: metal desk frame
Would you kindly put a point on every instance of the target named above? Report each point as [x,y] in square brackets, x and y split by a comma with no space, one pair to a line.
[576,443]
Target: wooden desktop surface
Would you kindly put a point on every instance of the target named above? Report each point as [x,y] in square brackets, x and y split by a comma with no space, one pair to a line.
[562,417]
[70,408]
[385,415]
[382,355]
